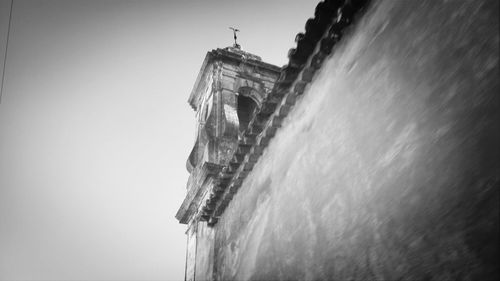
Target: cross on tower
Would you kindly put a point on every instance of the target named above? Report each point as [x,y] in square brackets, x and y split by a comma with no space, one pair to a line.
[236,45]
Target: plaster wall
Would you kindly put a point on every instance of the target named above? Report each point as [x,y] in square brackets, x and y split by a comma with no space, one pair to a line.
[388,166]
[204,257]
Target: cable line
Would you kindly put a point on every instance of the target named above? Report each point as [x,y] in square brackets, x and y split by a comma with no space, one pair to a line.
[6,48]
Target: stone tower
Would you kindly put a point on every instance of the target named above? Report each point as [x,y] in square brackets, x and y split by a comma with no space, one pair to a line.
[231,85]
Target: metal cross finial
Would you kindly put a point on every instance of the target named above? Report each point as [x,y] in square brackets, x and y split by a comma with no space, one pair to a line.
[236,45]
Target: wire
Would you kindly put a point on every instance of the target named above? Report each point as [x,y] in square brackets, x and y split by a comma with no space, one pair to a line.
[6,48]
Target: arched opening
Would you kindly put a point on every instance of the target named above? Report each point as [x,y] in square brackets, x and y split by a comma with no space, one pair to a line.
[245,106]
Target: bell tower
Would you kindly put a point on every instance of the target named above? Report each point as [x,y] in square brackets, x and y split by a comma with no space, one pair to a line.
[231,86]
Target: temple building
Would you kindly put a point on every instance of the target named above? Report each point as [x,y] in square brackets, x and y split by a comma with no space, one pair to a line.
[372,155]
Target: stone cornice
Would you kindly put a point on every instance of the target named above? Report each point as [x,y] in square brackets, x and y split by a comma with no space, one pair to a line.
[228,54]
[192,199]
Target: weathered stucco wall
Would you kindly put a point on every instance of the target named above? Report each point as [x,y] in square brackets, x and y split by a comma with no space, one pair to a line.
[388,167]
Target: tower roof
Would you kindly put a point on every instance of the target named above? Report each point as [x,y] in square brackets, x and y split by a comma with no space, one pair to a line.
[243,54]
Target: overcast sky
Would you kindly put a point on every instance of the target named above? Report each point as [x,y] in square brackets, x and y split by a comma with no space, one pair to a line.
[95,128]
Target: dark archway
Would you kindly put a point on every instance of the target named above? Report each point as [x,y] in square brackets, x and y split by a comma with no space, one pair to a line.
[245,109]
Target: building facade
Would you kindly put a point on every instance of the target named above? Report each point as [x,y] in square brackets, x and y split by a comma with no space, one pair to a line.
[372,155]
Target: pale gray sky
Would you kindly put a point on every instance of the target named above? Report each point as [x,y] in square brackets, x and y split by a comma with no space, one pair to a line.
[95,128]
